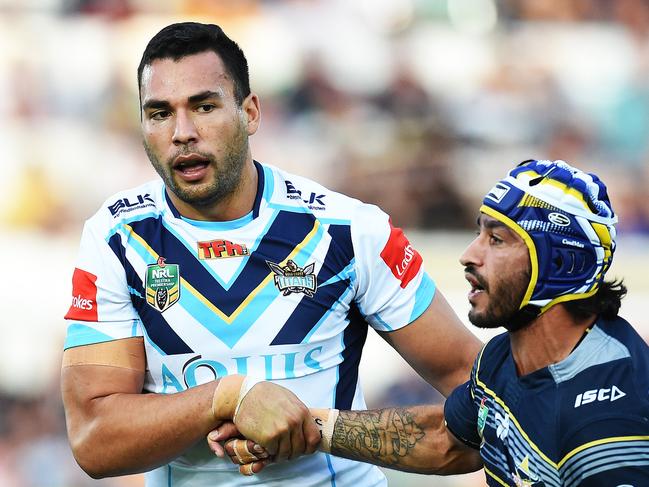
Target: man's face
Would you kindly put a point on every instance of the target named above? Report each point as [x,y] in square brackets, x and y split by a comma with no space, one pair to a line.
[497,265]
[195,133]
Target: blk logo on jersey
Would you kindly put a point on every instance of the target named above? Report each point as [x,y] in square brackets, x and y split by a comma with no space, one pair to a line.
[162,284]
[293,279]
[219,249]
[125,204]
[315,200]
[402,259]
[84,296]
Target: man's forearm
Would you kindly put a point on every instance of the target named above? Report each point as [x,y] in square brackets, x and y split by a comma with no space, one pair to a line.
[413,439]
[122,433]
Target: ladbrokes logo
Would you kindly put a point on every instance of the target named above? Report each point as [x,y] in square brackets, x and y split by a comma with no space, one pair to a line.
[402,259]
[293,279]
[84,297]
[218,249]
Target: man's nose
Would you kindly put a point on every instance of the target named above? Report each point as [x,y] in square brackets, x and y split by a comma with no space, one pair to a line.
[185,131]
[471,254]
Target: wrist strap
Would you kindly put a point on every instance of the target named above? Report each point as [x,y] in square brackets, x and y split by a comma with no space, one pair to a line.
[247,384]
[225,398]
[326,421]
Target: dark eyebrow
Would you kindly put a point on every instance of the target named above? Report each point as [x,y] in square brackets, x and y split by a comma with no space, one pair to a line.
[156,105]
[205,95]
[490,224]
[165,105]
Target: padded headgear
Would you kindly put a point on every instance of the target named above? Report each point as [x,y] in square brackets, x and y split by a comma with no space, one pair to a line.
[565,218]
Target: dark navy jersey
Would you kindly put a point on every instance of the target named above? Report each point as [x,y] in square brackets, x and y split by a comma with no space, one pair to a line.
[581,422]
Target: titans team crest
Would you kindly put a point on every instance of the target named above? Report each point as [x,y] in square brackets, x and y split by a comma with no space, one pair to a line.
[293,279]
[162,284]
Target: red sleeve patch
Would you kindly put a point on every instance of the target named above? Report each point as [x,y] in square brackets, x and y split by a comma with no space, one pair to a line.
[402,259]
[84,297]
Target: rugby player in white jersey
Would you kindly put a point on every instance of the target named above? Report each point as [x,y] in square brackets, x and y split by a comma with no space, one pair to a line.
[191,289]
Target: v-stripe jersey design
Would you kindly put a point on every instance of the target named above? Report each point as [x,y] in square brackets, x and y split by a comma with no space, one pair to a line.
[581,422]
[284,293]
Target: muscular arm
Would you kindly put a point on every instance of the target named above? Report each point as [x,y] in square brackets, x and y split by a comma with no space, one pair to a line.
[113,428]
[413,439]
[437,345]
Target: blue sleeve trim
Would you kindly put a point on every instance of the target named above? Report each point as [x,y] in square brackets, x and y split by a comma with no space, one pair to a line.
[423,296]
[79,335]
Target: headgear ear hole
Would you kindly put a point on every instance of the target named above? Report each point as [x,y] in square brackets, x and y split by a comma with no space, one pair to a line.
[572,262]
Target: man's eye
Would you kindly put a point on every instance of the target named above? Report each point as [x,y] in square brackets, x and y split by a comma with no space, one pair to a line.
[205,108]
[160,115]
[494,240]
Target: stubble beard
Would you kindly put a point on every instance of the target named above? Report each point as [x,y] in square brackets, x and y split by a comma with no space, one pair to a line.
[504,302]
[227,173]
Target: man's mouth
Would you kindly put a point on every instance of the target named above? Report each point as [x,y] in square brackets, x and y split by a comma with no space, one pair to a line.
[477,286]
[192,167]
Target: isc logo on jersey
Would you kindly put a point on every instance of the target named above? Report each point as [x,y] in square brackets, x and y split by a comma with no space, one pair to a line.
[84,297]
[605,394]
[402,259]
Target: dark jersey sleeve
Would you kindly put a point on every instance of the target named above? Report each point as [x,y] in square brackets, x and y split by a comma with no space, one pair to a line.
[609,451]
[461,415]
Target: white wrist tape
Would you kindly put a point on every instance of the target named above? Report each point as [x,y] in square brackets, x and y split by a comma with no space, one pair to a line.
[247,384]
[328,430]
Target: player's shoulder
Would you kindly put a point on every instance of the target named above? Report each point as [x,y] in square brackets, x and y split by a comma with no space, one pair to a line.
[129,204]
[489,362]
[301,194]
[604,381]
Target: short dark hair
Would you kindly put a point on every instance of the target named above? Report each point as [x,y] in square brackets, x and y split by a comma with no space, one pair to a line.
[605,302]
[186,38]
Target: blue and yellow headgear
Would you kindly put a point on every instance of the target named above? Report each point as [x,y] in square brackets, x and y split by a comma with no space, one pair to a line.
[566,220]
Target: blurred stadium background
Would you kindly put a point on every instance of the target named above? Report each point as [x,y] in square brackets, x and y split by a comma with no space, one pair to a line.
[415,105]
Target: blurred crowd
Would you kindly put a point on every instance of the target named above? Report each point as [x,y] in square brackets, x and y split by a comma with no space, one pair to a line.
[413,105]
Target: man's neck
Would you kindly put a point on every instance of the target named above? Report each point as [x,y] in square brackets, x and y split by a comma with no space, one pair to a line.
[236,205]
[547,340]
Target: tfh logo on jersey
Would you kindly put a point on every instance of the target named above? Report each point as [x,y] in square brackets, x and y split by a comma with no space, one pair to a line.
[402,259]
[293,279]
[217,249]
[162,284]
[125,205]
[84,297]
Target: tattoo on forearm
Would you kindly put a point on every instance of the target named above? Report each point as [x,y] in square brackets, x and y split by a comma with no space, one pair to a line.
[385,435]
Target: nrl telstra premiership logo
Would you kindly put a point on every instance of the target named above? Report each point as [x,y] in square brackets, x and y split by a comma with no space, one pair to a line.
[293,279]
[162,284]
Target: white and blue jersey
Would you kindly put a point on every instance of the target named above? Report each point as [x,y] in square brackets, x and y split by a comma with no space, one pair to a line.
[581,422]
[284,293]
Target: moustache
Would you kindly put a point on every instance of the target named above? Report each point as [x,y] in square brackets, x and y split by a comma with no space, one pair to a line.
[471,270]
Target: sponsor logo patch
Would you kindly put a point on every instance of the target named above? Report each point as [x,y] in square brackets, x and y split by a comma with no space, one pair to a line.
[220,249]
[162,284]
[125,205]
[498,192]
[293,279]
[84,296]
[483,412]
[559,219]
[402,259]
[605,394]
[315,201]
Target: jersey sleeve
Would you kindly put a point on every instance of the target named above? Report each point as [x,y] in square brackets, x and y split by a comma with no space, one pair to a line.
[101,308]
[393,289]
[611,450]
[461,415]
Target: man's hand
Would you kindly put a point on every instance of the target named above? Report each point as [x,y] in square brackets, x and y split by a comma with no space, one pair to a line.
[276,419]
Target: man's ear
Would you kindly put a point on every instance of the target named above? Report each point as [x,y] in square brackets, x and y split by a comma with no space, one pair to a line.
[252,112]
